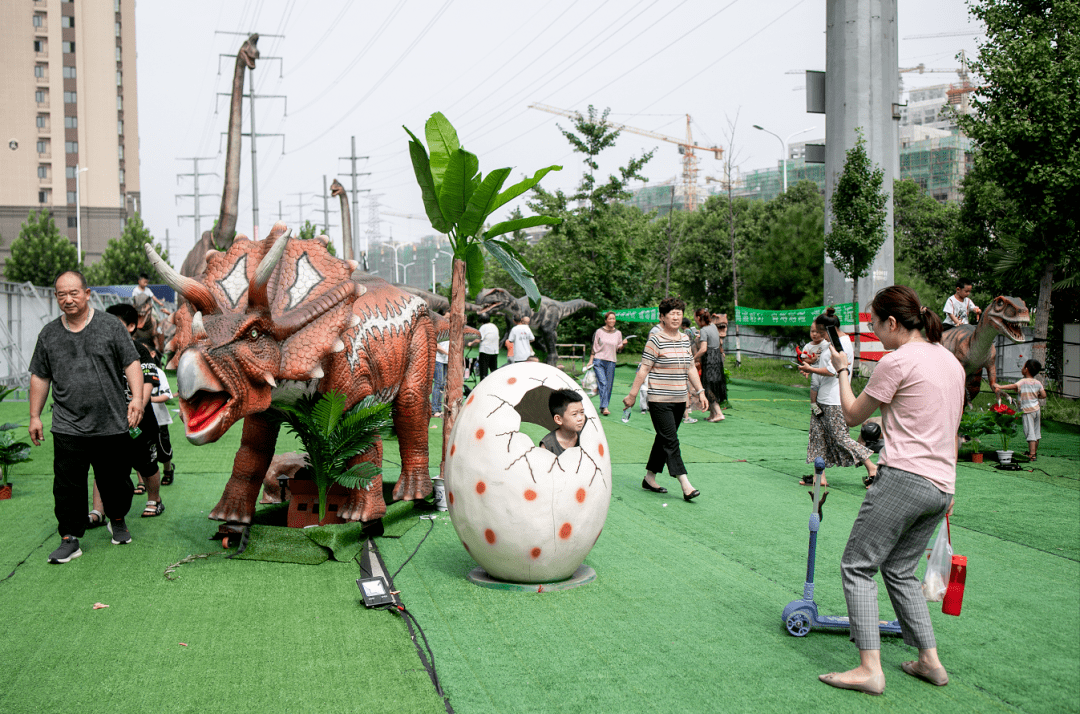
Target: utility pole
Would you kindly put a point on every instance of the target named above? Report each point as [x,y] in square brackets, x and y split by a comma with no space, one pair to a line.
[168,246]
[299,210]
[280,214]
[373,234]
[195,174]
[352,157]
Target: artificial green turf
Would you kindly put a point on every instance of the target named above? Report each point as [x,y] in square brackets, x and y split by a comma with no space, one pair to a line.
[684,614]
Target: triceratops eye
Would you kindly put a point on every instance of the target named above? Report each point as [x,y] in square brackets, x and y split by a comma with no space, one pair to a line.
[254,334]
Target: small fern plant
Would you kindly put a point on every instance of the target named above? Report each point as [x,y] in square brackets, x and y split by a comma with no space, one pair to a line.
[332,435]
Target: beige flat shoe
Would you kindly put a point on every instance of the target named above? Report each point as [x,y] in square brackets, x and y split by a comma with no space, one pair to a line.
[938,677]
[875,685]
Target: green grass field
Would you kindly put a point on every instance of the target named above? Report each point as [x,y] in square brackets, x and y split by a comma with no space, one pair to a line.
[684,615]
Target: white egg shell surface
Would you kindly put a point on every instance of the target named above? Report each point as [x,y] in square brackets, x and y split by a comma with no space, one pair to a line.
[523,514]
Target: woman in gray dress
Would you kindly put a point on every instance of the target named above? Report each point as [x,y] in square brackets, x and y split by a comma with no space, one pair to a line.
[711,359]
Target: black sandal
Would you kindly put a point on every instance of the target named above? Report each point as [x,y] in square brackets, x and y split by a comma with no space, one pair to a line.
[96,519]
[140,489]
[167,475]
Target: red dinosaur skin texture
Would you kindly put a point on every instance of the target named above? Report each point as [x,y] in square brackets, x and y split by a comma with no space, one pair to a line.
[315,329]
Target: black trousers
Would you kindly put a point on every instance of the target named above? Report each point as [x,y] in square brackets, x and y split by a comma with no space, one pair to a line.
[666,417]
[488,364]
[72,458]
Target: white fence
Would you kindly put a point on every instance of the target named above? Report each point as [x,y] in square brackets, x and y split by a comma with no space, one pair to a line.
[24,310]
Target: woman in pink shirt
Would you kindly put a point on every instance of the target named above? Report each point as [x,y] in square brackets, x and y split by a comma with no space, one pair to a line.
[919,387]
[606,342]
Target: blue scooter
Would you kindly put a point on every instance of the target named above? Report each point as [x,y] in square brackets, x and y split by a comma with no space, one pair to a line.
[801,616]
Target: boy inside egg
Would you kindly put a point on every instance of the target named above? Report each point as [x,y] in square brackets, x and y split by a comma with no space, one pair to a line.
[569,414]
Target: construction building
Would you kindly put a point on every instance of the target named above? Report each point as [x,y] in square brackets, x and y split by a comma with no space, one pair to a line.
[69,119]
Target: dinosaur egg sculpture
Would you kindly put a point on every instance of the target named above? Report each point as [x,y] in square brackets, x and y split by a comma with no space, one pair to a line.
[524,514]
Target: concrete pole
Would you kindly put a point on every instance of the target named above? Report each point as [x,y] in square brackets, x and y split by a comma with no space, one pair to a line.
[861,91]
[355,204]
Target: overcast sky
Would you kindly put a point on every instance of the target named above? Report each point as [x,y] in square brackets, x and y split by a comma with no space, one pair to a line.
[364,69]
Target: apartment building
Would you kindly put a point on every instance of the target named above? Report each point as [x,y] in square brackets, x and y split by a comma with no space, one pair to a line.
[69,117]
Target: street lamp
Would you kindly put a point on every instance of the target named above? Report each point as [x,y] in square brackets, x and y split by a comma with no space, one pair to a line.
[437,252]
[784,145]
[78,215]
[405,272]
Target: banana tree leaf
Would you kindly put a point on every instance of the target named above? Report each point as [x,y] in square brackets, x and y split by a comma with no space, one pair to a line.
[520,223]
[422,169]
[523,186]
[517,271]
[443,141]
[459,174]
[482,203]
[470,188]
[474,268]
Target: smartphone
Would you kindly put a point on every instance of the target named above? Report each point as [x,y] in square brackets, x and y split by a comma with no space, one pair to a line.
[835,337]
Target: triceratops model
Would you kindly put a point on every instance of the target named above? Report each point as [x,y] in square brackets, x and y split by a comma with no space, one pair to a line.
[973,345]
[279,318]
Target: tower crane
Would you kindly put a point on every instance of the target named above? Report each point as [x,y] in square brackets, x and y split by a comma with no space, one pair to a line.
[687,147]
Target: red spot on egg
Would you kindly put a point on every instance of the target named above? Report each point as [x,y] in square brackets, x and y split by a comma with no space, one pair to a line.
[530,495]
[451,496]
[511,380]
[479,434]
[535,553]
[481,487]
[565,531]
[601,449]
[453,448]
[489,536]
[580,495]
[469,401]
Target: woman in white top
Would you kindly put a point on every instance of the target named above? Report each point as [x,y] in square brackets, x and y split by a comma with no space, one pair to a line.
[489,346]
[829,435]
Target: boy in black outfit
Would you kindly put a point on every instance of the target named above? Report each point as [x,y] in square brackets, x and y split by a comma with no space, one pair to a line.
[144,445]
[569,414]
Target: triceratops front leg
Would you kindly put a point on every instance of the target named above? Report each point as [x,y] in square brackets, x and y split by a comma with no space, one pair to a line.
[366,504]
[412,414]
[237,504]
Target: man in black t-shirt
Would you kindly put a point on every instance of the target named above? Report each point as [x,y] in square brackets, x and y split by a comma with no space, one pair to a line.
[84,357]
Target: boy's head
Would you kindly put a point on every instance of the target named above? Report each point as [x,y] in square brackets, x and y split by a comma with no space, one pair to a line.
[963,288]
[526,320]
[567,410]
[1032,368]
[144,280]
[127,314]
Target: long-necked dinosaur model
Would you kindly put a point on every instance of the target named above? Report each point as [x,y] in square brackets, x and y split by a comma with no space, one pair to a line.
[973,345]
[221,237]
[544,322]
[278,318]
[336,189]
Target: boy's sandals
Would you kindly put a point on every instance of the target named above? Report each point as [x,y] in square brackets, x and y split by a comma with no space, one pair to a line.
[1033,458]
[140,489]
[153,509]
[167,475]
[96,519]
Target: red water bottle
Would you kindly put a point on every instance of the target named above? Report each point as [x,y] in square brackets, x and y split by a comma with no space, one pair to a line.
[954,593]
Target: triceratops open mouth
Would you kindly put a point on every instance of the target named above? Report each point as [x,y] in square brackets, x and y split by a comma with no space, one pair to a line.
[203,410]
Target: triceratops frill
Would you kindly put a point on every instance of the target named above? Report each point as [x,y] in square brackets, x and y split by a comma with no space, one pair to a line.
[278,318]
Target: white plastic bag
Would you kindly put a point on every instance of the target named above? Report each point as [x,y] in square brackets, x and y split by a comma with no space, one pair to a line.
[938,565]
[643,396]
[588,382]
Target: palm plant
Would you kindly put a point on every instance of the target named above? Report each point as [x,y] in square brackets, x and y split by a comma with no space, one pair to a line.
[12,451]
[333,436]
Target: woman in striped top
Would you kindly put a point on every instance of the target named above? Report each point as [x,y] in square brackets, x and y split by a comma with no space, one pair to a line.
[669,365]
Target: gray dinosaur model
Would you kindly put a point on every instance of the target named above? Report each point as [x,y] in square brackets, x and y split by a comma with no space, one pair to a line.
[544,322]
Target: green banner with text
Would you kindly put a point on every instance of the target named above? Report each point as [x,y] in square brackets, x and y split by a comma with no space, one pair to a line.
[638,314]
[792,318]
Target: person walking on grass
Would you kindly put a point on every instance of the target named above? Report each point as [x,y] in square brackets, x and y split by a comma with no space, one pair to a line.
[521,338]
[919,387]
[711,359]
[1031,391]
[83,357]
[143,448]
[669,366]
[606,342]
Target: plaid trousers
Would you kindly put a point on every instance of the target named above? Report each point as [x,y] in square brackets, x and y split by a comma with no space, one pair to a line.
[894,525]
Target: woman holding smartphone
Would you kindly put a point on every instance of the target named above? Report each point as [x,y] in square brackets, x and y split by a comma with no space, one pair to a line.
[919,387]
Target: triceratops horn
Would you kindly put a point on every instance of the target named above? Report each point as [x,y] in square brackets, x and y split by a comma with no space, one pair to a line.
[257,287]
[198,329]
[193,291]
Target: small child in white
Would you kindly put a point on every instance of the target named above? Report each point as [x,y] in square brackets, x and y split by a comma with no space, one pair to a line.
[1031,391]
[815,355]
[569,414]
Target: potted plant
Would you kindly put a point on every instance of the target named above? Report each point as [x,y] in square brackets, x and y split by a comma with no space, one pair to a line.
[333,435]
[12,451]
[1005,422]
[975,424]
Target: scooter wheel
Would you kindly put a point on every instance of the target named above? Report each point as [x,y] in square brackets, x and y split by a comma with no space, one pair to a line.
[798,623]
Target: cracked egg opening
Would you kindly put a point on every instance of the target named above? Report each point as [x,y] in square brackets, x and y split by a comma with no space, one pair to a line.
[523,514]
